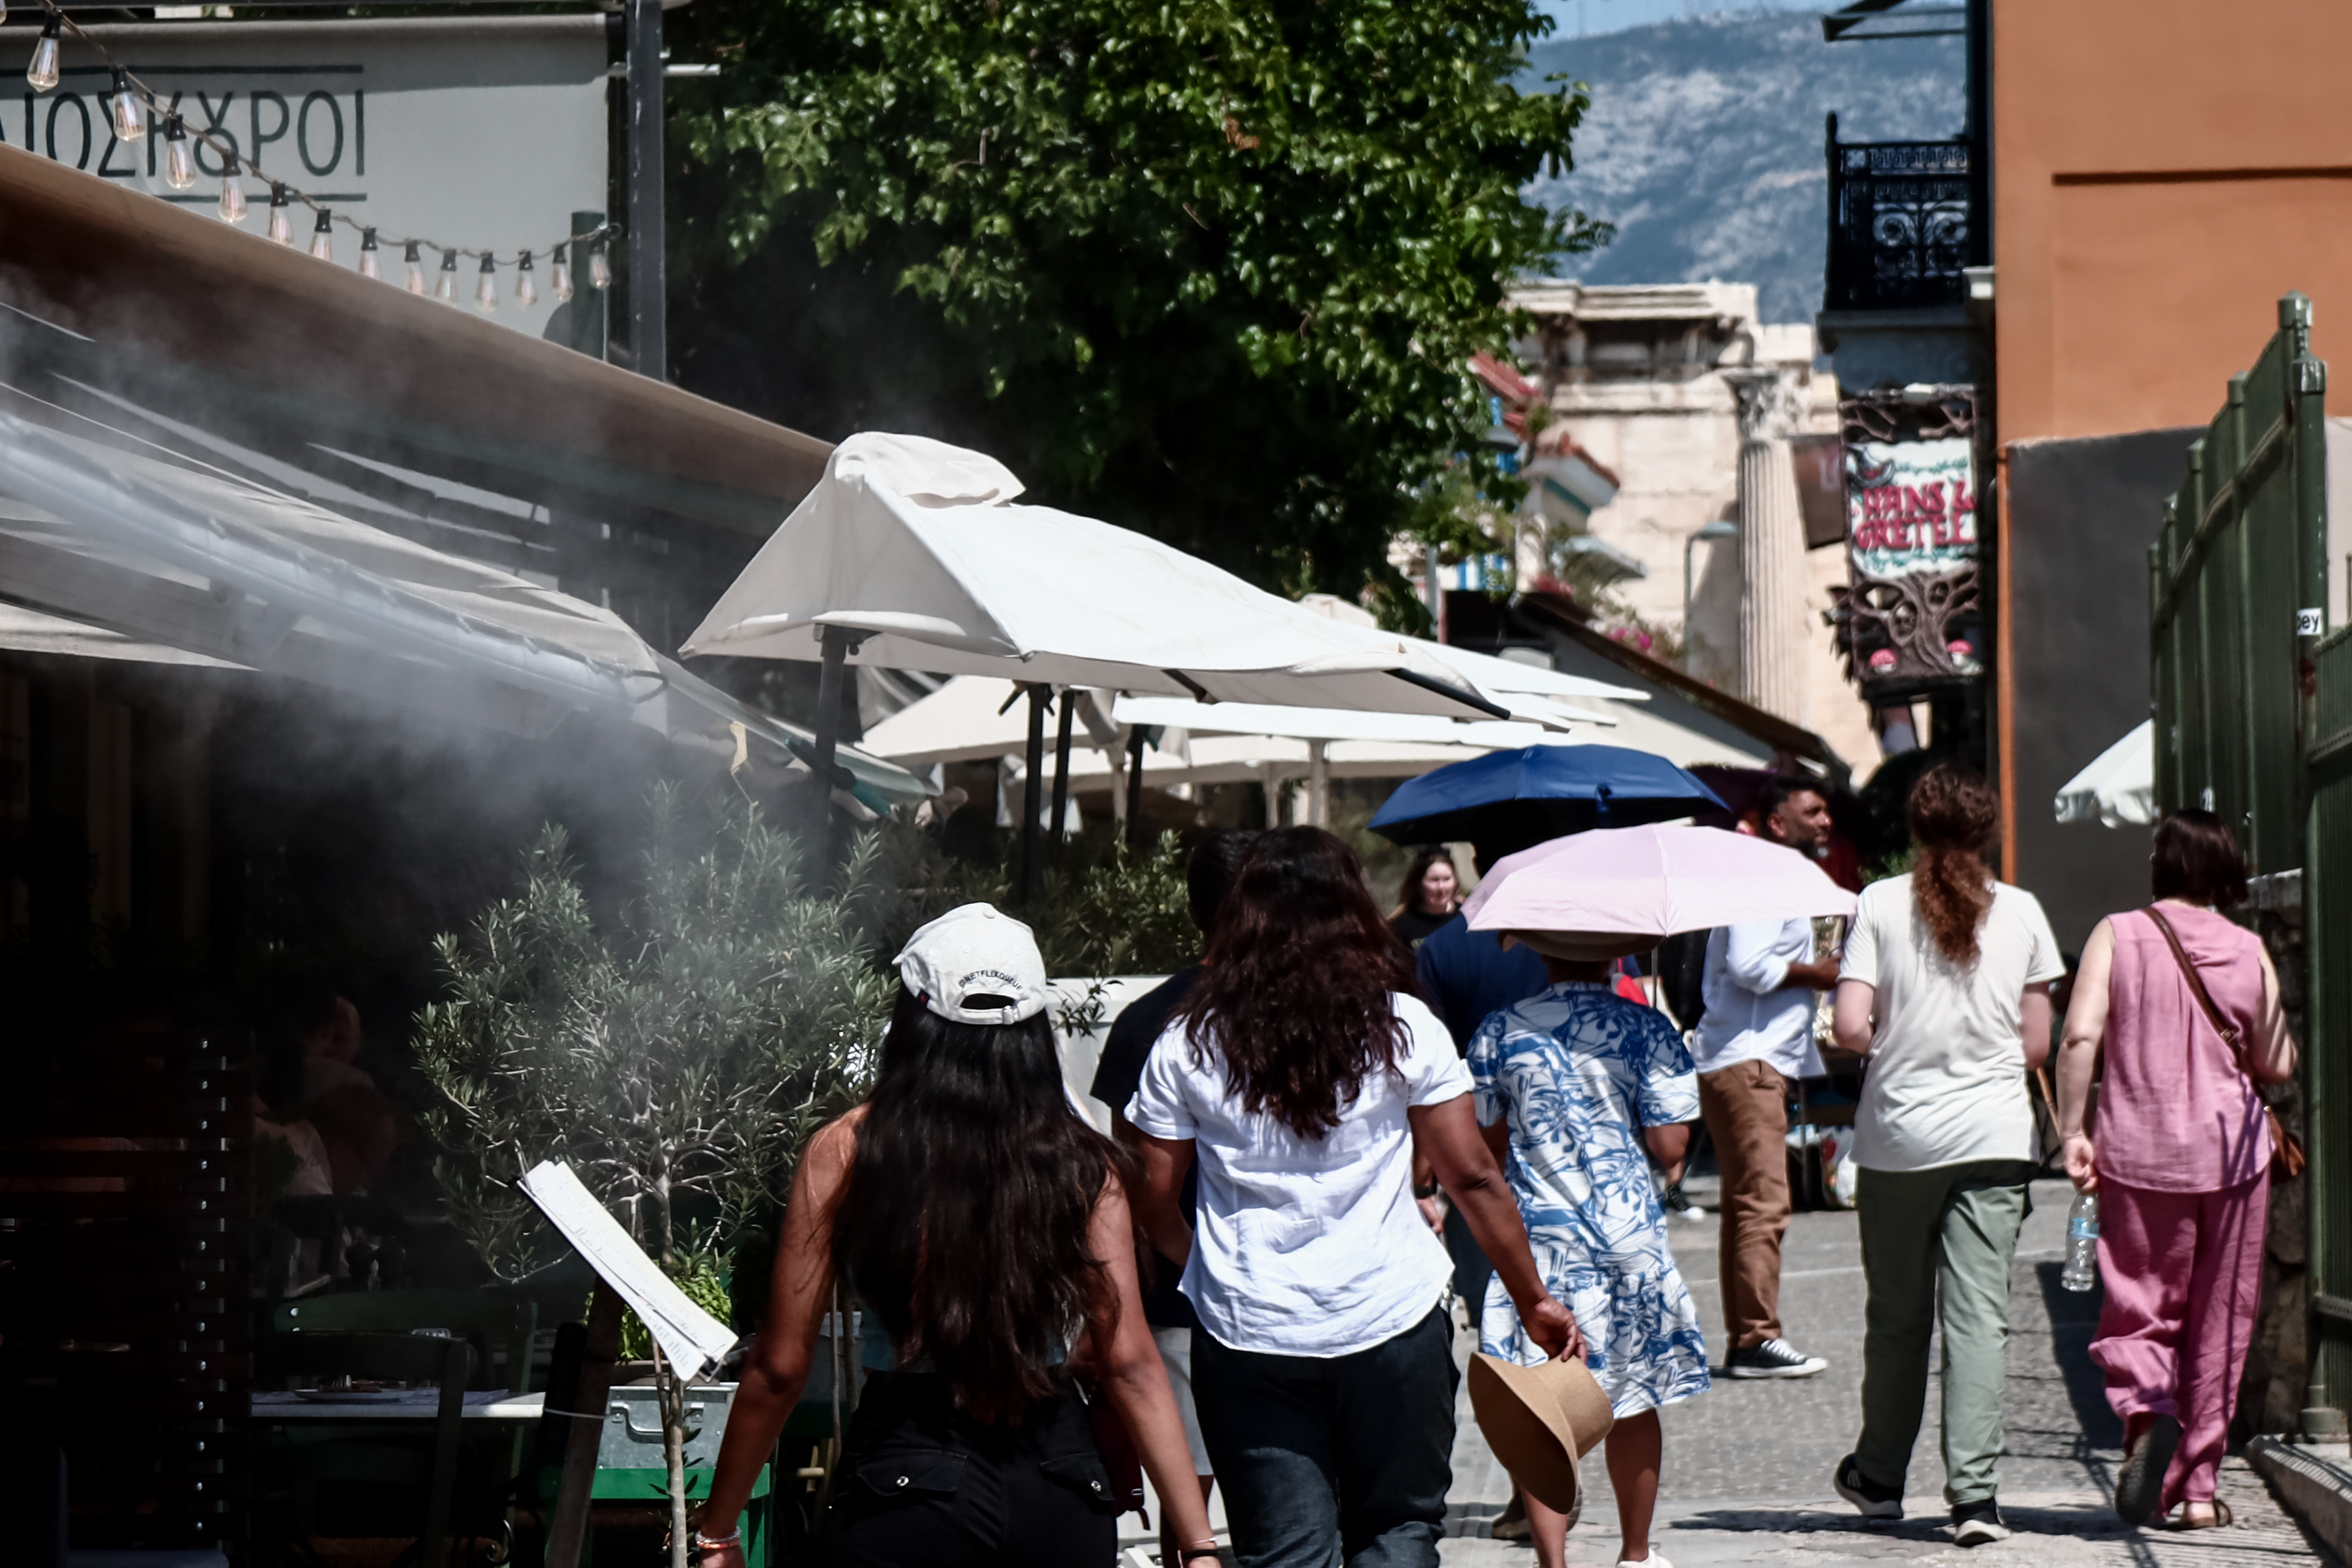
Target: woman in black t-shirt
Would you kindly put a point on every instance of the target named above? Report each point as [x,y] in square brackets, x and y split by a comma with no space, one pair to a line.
[1431,894]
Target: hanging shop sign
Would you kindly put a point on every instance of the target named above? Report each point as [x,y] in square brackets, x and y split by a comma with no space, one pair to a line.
[1909,618]
[482,132]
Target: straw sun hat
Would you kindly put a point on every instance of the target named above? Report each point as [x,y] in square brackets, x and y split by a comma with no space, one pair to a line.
[1539,1420]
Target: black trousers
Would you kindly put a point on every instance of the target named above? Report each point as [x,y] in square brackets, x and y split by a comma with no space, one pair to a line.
[1331,1461]
[924,1486]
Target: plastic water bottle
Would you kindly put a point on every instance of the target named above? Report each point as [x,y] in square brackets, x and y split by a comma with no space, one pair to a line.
[2082,1269]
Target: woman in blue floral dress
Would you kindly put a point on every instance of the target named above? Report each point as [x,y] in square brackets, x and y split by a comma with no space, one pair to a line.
[1573,1084]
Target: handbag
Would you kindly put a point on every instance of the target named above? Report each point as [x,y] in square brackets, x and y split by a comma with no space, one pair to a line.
[1122,1467]
[2286,1153]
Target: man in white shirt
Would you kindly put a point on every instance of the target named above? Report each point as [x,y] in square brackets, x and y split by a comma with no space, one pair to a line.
[1757,1033]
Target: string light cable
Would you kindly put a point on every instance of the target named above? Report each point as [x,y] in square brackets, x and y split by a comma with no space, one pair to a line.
[133,106]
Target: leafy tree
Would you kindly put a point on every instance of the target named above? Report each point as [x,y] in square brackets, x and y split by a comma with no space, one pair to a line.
[1210,268]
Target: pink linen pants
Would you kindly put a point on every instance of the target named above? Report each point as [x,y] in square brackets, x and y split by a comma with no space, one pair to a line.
[2184,1276]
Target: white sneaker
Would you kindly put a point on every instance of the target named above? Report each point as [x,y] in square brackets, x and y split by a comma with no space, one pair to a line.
[1653,1560]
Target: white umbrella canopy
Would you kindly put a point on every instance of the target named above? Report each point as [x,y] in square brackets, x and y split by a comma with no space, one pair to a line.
[1343,724]
[2118,787]
[916,547]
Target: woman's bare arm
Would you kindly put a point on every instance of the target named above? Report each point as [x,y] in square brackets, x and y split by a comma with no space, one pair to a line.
[2271,1054]
[2033,1023]
[2078,1055]
[1850,1023]
[1159,1207]
[777,1369]
[1133,1379]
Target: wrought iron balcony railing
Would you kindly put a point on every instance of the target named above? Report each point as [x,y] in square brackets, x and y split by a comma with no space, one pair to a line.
[1905,219]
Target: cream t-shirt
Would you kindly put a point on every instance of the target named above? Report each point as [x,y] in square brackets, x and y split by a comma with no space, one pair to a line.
[1946,1080]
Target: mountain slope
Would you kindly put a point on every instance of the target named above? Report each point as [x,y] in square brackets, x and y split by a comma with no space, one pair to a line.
[1705,143]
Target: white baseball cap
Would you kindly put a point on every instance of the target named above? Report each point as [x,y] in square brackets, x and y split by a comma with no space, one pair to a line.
[976,954]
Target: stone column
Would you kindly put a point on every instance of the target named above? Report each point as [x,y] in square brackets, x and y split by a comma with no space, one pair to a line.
[1773,638]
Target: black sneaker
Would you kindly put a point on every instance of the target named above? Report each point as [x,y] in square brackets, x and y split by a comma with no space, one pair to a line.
[1872,1501]
[1773,1358]
[1679,1204]
[1978,1524]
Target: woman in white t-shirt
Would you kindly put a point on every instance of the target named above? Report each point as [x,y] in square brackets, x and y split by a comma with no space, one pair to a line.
[1304,1075]
[1945,985]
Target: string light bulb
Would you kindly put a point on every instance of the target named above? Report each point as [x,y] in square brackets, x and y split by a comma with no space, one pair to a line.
[179,154]
[486,292]
[369,267]
[413,259]
[281,215]
[559,259]
[130,113]
[526,286]
[444,287]
[322,236]
[43,71]
[600,271]
[232,196]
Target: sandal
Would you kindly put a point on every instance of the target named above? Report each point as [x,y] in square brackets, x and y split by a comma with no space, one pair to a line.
[2223,1518]
[2139,1488]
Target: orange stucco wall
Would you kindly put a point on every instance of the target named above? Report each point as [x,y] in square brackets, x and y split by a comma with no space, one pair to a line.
[2163,171]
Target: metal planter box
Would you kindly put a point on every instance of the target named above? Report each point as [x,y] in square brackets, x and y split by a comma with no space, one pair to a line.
[631,1438]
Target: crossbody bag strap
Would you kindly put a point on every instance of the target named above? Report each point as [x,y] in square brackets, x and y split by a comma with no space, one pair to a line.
[2230,1035]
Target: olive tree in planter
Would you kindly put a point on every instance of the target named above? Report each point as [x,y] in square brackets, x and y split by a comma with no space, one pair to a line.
[688,1042]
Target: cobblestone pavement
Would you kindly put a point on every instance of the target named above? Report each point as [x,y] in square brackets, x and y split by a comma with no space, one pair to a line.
[1748,1464]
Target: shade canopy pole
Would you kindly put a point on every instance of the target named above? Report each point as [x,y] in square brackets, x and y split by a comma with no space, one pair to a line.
[1319,784]
[838,642]
[1134,785]
[1031,787]
[1062,766]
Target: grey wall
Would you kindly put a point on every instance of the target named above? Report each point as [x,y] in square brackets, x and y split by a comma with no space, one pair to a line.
[2082,513]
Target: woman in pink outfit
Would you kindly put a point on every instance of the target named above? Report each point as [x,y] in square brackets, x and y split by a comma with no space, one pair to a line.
[2179,1155]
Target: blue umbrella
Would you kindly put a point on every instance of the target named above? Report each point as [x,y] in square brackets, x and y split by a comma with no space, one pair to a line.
[1518,798]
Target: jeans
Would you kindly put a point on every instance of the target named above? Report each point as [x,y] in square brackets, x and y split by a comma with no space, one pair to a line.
[923,1485]
[1332,1460]
[1937,1243]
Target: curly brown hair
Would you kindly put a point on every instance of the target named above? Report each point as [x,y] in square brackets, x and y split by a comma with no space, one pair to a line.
[1295,991]
[1952,815]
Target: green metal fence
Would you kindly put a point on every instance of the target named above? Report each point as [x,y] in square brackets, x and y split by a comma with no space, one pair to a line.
[2232,579]
[2253,721]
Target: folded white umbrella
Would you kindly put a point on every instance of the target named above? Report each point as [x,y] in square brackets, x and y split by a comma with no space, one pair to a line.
[2118,787]
[917,548]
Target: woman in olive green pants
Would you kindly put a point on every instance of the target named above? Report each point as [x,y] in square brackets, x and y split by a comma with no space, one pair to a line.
[1945,985]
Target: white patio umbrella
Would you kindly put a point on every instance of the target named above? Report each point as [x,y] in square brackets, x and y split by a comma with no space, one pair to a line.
[2119,785]
[1317,730]
[910,553]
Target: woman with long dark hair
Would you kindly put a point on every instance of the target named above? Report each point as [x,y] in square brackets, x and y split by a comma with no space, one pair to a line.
[1428,897]
[1303,1074]
[1945,987]
[2180,1159]
[985,1229]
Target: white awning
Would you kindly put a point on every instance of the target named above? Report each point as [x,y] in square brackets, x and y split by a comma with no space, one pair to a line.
[2118,787]
[148,551]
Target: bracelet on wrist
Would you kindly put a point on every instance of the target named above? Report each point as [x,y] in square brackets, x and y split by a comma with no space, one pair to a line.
[708,1542]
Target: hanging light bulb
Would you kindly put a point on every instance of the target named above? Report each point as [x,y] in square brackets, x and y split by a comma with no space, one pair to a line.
[179,154]
[560,261]
[486,292]
[281,215]
[600,271]
[322,236]
[369,265]
[444,287]
[43,72]
[414,261]
[232,200]
[526,286]
[130,112]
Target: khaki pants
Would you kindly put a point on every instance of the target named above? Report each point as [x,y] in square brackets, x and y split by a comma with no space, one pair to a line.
[1746,1106]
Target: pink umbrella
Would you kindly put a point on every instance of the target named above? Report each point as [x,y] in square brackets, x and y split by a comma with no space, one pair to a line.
[1652,881]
